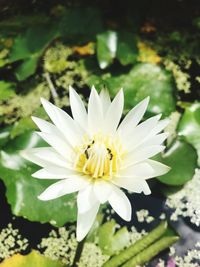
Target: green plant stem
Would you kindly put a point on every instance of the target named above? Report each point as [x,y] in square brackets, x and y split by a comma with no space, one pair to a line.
[147,254]
[79,250]
[137,247]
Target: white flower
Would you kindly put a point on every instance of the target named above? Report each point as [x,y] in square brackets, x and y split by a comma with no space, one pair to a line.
[94,155]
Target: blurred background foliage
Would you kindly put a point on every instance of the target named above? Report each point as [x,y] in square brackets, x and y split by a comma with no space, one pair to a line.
[148,47]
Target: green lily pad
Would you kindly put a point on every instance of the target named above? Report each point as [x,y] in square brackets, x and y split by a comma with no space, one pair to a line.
[22,189]
[189,127]
[182,159]
[29,47]
[32,260]
[127,50]
[110,241]
[106,48]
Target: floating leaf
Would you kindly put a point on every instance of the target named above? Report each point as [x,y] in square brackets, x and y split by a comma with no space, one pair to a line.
[127,51]
[34,259]
[106,48]
[189,127]
[29,48]
[23,189]
[182,159]
[111,241]
[6,90]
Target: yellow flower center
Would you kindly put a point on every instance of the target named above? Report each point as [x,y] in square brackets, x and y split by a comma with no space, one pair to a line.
[99,157]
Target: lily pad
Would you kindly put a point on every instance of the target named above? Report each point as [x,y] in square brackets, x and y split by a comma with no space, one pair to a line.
[127,50]
[182,159]
[22,189]
[189,127]
[31,260]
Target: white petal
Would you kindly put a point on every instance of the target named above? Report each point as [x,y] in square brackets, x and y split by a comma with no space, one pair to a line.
[78,109]
[53,172]
[130,183]
[146,188]
[45,156]
[155,140]
[137,135]
[120,203]
[95,112]
[158,168]
[47,127]
[63,122]
[102,190]
[141,154]
[105,100]
[36,156]
[63,187]
[114,113]
[86,199]
[160,126]
[134,116]
[136,170]
[59,145]
[85,221]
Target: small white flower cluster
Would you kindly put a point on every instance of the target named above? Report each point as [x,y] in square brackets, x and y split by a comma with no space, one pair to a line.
[134,235]
[59,245]
[190,259]
[92,256]
[143,216]
[186,202]
[11,242]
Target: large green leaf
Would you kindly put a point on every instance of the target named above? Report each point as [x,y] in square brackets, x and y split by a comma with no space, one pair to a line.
[34,259]
[22,189]
[143,80]
[189,126]
[127,51]
[29,47]
[182,159]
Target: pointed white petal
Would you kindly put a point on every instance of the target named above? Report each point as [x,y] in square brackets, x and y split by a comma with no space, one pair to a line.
[105,100]
[51,156]
[158,168]
[146,189]
[114,113]
[85,221]
[137,170]
[53,172]
[134,116]
[86,199]
[63,187]
[120,203]
[141,154]
[155,140]
[102,190]
[160,126]
[47,127]
[30,156]
[59,145]
[95,112]
[63,122]
[137,135]
[78,109]
[129,183]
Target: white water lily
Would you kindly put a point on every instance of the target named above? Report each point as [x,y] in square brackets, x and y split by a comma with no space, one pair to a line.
[94,155]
